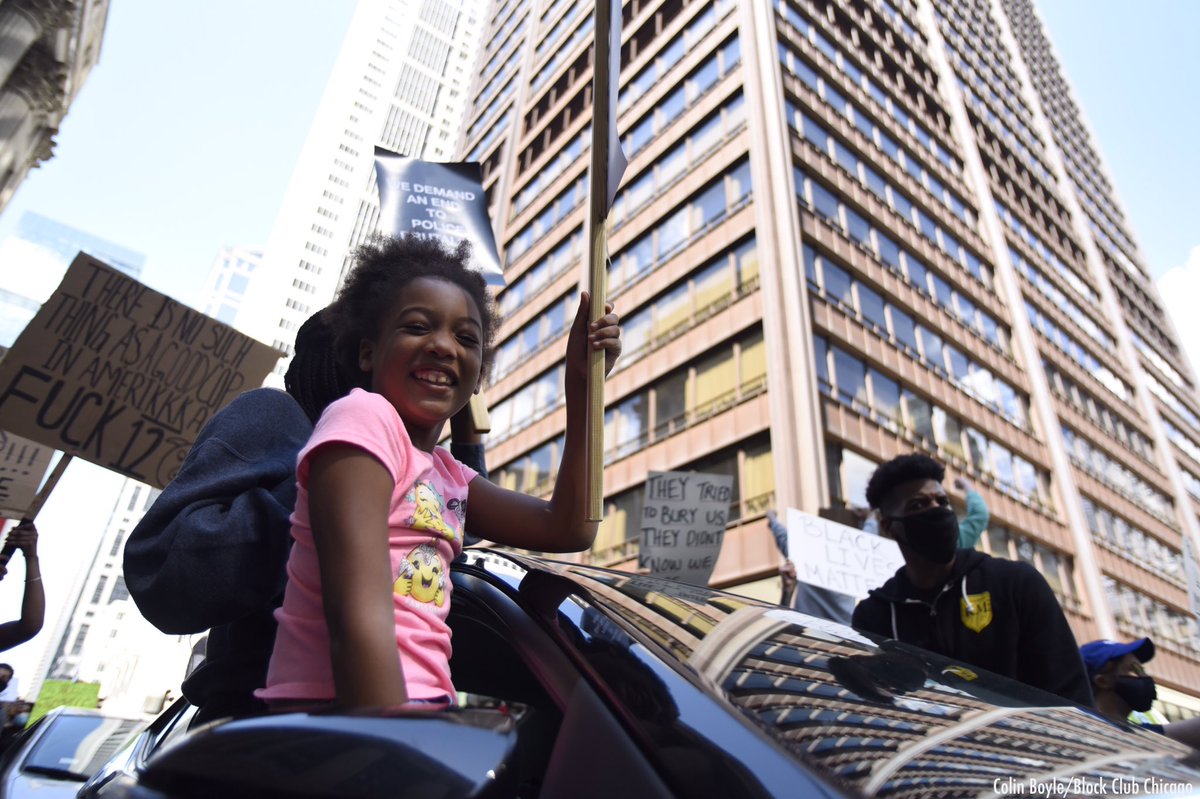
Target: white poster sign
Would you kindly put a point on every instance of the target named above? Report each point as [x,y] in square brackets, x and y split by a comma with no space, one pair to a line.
[838,557]
[683,524]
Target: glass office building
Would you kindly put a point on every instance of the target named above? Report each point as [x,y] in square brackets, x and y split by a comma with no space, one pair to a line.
[848,230]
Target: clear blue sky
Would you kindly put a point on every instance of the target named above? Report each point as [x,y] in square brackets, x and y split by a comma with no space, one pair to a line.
[1134,69]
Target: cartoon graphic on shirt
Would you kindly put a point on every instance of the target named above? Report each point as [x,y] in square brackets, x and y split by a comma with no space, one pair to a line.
[422,576]
[427,511]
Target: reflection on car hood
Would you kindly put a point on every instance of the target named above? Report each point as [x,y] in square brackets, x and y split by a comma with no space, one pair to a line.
[884,718]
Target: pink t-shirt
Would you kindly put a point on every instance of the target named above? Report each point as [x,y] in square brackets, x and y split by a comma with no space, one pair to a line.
[425,524]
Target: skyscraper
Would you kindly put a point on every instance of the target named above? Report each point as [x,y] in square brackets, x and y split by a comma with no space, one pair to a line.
[33,260]
[105,639]
[228,281]
[848,230]
[400,81]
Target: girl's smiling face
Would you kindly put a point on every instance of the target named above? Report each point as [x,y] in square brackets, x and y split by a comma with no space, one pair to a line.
[427,356]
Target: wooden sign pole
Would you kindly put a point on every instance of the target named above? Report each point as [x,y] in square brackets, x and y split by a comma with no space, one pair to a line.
[598,249]
[35,507]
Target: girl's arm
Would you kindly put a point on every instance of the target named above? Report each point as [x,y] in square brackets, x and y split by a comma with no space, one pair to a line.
[349,497]
[559,524]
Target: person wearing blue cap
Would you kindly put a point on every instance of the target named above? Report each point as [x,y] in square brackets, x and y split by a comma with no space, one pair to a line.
[1119,682]
[1124,691]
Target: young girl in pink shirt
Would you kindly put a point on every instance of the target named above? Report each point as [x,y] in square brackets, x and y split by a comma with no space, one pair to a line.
[381,510]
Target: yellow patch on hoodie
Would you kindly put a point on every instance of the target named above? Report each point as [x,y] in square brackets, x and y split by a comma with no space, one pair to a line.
[976,611]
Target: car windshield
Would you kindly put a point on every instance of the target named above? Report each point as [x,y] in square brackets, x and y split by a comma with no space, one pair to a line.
[75,746]
[879,715]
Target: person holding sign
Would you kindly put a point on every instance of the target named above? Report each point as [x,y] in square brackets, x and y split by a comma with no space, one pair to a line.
[993,613]
[33,604]
[838,606]
[211,553]
[381,510]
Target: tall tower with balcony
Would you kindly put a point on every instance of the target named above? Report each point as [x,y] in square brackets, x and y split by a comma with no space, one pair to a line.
[849,229]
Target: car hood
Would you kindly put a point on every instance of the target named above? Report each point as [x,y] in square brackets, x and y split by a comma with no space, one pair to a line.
[32,785]
[880,717]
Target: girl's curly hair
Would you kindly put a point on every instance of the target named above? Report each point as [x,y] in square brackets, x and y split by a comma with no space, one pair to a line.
[383,266]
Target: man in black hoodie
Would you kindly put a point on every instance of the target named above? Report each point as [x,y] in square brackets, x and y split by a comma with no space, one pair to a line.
[997,614]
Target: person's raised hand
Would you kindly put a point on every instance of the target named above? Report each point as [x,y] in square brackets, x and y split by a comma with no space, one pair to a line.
[24,537]
[604,333]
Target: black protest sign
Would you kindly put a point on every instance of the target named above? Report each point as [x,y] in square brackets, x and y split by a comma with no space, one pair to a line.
[446,201]
[122,376]
[683,524]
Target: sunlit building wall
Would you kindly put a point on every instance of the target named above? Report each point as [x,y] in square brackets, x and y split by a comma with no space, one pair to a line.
[848,230]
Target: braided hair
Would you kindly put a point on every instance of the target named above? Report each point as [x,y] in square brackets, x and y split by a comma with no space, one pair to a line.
[314,378]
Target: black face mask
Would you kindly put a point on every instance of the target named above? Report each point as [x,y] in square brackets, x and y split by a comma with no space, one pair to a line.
[1137,692]
[932,533]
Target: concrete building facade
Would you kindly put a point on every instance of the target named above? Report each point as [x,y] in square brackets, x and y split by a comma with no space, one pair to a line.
[848,230]
[47,49]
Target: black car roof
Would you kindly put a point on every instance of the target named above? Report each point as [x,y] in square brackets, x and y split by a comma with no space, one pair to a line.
[881,717]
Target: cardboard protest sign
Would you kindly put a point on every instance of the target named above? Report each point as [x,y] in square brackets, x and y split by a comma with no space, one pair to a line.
[23,464]
[122,376]
[838,557]
[445,201]
[64,693]
[683,524]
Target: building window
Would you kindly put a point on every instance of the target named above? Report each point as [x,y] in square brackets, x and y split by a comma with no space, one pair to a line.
[101,584]
[853,382]
[80,637]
